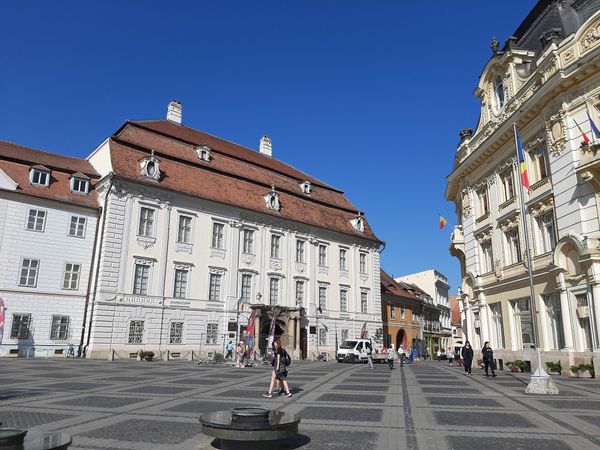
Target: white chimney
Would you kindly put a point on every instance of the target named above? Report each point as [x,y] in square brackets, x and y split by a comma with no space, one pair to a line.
[266,146]
[174,112]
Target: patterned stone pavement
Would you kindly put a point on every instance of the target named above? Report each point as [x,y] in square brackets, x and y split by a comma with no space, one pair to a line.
[156,405]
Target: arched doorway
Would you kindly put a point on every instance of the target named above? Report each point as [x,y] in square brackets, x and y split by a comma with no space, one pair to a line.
[264,334]
[400,339]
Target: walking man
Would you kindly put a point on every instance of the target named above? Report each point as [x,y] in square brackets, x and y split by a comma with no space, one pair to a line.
[390,357]
[450,355]
[488,358]
[467,356]
[370,355]
[401,354]
[438,355]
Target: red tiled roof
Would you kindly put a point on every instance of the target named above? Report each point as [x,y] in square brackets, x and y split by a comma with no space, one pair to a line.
[392,287]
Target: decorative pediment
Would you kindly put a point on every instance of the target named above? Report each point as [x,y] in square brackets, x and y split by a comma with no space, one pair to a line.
[510,222]
[542,207]
[556,132]
[484,235]
[535,142]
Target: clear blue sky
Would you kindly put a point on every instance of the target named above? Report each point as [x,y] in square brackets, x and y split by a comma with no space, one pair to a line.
[366,95]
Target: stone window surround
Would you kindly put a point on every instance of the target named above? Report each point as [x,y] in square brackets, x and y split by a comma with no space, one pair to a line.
[180,265]
[80,182]
[37,272]
[37,210]
[144,261]
[32,173]
[193,217]
[222,222]
[78,272]
[77,226]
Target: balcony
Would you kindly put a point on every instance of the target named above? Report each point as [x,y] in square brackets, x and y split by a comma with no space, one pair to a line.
[457,242]
[589,164]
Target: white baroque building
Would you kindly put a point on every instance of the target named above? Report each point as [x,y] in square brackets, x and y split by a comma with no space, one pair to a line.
[193,223]
[48,217]
[546,79]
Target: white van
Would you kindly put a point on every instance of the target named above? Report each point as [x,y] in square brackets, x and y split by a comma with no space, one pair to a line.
[353,350]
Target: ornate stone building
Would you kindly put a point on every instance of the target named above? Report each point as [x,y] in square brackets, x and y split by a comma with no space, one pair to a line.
[546,80]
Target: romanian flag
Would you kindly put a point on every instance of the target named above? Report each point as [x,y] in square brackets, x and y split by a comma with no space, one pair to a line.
[522,163]
[595,128]
[583,135]
[443,222]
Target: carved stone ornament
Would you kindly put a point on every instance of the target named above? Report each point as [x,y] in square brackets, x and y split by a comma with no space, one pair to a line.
[358,223]
[184,248]
[542,207]
[466,203]
[485,235]
[146,242]
[248,259]
[534,143]
[217,253]
[306,187]
[590,39]
[300,267]
[275,263]
[216,270]
[203,152]
[183,266]
[568,56]
[144,261]
[498,268]
[510,223]
[272,200]
[556,132]
[150,167]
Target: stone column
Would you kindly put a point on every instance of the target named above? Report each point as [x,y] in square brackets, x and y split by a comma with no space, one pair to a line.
[543,324]
[469,332]
[483,319]
[595,312]
[565,312]
[257,330]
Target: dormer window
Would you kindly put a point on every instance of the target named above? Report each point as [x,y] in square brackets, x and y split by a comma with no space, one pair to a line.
[39,175]
[150,166]
[203,152]
[358,222]
[306,187]
[80,183]
[272,200]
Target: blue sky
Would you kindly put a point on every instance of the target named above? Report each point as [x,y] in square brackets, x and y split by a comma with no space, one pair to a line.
[368,96]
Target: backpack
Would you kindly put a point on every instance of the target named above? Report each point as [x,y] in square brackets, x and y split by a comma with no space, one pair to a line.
[287,359]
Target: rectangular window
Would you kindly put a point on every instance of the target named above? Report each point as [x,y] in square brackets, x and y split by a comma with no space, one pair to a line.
[584,322]
[136,331]
[323,297]
[403,312]
[275,241]
[364,302]
[246,286]
[299,292]
[300,251]
[487,257]
[343,300]
[77,226]
[79,185]
[322,255]
[248,242]
[343,259]
[60,328]
[274,291]
[36,220]
[214,293]
[140,281]
[146,226]
[212,333]
[497,325]
[176,333]
[184,232]
[40,177]
[180,287]
[344,335]
[539,164]
[557,338]
[29,272]
[217,235]
[522,318]
[20,326]
[483,206]
[363,262]
[513,247]
[507,183]
[392,312]
[547,239]
[71,276]
[322,336]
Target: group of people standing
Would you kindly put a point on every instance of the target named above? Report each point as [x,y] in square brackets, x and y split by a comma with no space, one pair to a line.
[242,353]
[488,358]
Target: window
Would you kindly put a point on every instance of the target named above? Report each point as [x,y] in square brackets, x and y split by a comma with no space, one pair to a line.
[79,185]
[275,240]
[344,335]
[584,322]
[136,331]
[322,336]
[140,281]
[343,259]
[180,287]
[547,239]
[184,232]
[507,182]
[322,255]
[300,251]
[273,291]
[299,292]
[60,328]
[20,326]
[29,272]
[248,242]
[246,286]
[513,247]
[77,226]
[487,257]
[36,220]
[217,235]
[557,336]
[176,333]
[499,93]
[363,262]
[522,317]
[40,177]
[323,297]
[392,312]
[146,222]
[402,312]
[364,302]
[497,325]
[212,333]
[71,276]
[539,164]
[214,293]
[343,300]
[483,206]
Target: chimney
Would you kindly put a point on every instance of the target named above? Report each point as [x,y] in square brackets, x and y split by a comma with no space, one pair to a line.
[266,146]
[174,112]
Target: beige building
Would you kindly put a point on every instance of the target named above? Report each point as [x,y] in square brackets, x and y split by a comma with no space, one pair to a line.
[546,80]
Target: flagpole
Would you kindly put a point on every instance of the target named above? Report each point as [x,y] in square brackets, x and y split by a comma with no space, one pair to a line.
[540,382]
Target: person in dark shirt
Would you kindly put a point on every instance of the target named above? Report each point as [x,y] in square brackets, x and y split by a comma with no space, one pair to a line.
[279,371]
[467,356]
[488,358]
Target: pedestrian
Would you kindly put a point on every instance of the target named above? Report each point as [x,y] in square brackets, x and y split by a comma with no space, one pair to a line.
[401,355]
[414,354]
[229,349]
[369,355]
[438,355]
[450,355]
[426,357]
[488,358]
[390,357]
[467,356]
[71,351]
[279,371]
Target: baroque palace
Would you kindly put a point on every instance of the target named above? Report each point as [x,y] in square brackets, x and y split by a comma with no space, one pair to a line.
[546,81]
[169,239]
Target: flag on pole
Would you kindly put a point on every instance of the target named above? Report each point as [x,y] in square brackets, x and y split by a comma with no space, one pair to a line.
[363,330]
[250,327]
[583,135]
[272,329]
[443,222]
[595,128]
[522,163]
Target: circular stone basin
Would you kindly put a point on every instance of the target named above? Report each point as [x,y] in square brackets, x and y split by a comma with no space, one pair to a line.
[33,440]
[249,426]
[11,439]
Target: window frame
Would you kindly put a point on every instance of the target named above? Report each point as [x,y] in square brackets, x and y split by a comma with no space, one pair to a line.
[343,259]
[146,225]
[483,202]
[274,290]
[362,260]
[29,268]
[246,288]
[300,290]
[77,227]
[323,298]
[180,286]
[17,334]
[212,333]
[36,220]
[322,250]
[184,231]
[248,241]
[275,251]
[513,250]
[56,328]
[507,181]
[80,182]
[136,332]
[392,312]
[67,285]
[39,172]
[137,290]
[177,337]
[487,258]
[218,236]
[301,251]
[364,302]
[546,232]
[344,299]
[215,283]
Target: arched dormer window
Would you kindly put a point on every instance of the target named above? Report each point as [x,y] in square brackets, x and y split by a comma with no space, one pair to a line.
[272,200]
[499,93]
[150,167]
[306,187]
[358,222]
[203,152]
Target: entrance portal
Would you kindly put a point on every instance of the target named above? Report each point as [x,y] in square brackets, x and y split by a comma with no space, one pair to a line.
[263,338]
